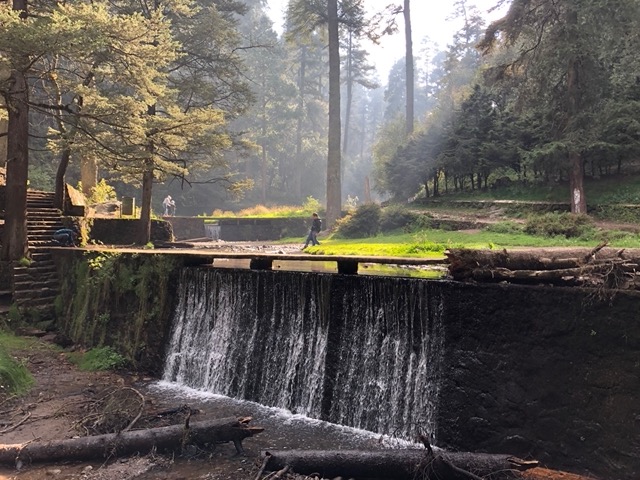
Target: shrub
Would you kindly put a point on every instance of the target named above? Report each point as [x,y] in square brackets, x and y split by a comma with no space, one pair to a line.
[311,205]
[560,224]
[24,262]
[505,227]
[103,192]
[364,222]
[395,217]
[102,358]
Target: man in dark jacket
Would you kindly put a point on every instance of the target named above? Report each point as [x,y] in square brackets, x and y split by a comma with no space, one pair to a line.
[66,237]
[316,226]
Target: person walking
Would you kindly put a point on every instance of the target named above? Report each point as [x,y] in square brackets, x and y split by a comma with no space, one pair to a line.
[168,203]
[316,227]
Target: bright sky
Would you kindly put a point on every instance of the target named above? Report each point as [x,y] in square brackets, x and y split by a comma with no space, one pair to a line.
[428,18]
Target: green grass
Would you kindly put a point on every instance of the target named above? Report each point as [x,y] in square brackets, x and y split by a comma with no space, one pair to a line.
[15,378]
[433,243]
[97,359]
[10,342]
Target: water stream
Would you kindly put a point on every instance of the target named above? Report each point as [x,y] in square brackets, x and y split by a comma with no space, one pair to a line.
[352,350]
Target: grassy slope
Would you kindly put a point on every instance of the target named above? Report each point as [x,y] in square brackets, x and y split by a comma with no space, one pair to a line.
[608,191]
[432,243]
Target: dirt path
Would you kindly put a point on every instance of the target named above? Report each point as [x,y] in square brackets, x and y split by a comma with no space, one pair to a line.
[64,397]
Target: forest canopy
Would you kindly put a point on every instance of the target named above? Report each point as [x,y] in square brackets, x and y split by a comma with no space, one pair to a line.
[207,101]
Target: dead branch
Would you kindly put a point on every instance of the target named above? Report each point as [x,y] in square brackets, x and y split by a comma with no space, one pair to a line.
[13,427]
[142,401]
[262,467]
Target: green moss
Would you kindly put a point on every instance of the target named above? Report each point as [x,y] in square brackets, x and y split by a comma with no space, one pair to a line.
[119,300]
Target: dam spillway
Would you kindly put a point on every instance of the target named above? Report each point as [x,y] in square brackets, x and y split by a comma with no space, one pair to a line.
[356,351]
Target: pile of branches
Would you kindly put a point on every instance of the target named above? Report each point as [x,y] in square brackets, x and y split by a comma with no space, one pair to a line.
[600,267]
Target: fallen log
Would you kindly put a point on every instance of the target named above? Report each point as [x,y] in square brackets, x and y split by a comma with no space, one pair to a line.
[409,464]
[173,437]
[462,261]
[589,275]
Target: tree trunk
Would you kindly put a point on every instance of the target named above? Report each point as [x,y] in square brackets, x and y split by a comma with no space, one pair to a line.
[576,165]
[3,135]
[263,144]
[576,183]
[88,175]
[137,441]
[334,187]
[14,239]
[409,68]
[397,464]
[58,201]
[299,163]
[263,172]
[65,158]
[145,204]
[349,82]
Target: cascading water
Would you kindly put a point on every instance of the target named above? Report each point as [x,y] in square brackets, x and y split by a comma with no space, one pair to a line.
[358,351]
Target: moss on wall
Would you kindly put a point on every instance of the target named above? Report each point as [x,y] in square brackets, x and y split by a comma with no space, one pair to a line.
[121,300]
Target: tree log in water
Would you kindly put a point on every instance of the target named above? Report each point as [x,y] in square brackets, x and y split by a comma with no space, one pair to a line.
[410,464]
[173,437]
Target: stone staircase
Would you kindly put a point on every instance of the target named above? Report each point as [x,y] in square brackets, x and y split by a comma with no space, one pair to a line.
[36,285]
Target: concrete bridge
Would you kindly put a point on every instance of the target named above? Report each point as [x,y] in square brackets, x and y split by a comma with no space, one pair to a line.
[348,265]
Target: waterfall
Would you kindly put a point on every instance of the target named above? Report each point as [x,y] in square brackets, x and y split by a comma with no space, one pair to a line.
[354,350]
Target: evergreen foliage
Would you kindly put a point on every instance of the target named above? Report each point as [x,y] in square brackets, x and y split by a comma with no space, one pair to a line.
[554,98]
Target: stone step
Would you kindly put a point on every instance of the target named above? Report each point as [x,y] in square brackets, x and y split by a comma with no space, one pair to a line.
[49,281]
[41,239]
[42,230]
[48,224]
[37,303]
[34,292]
[45,282]
[40,257]
[50,199]
[23,280]
[45,212]
[49,220]
[35,244]
[39,204]
[44,248]
[35,270]
[44,220]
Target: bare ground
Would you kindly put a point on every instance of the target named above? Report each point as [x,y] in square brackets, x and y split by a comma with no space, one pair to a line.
[64,403]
